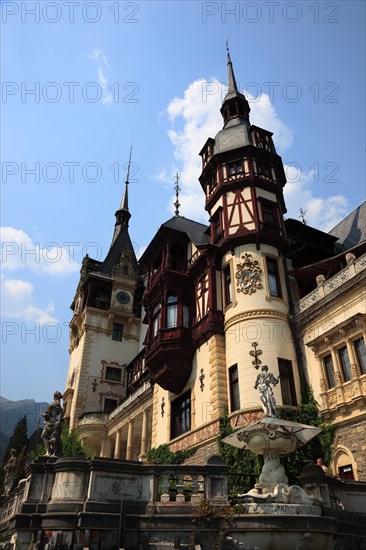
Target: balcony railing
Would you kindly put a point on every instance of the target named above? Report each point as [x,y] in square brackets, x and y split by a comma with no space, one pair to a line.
[350,271]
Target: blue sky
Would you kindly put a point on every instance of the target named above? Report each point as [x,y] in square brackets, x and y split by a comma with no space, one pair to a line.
[108,75]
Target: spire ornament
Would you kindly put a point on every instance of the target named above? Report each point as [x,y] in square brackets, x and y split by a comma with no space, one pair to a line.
[124,202]
[177,189]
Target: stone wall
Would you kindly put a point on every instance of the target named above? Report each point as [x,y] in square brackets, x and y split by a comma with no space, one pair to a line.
[352,437]
[203,453]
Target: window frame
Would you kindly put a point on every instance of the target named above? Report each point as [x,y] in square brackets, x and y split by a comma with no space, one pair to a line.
[345,365]
[115,370]
[275,275]
[105,399]
[181,410]
[228,288]
[287,391]
[172,305]
[361,360]
[234,388]
[326,371]
[117,332]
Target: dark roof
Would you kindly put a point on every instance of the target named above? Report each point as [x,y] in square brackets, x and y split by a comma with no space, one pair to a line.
[122,242]
[351,230]
[197,232]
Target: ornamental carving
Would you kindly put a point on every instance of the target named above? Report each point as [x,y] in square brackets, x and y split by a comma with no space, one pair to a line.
[248,275]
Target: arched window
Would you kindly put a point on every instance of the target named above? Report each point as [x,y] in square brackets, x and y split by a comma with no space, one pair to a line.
[171,311]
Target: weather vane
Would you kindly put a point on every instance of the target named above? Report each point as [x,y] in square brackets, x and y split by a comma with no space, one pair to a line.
[177,189]
[302,215]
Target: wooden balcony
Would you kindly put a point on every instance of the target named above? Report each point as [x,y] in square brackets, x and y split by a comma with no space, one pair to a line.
[169,358]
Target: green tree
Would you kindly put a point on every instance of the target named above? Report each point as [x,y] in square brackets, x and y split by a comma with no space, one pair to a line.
[72,446]
[19,442]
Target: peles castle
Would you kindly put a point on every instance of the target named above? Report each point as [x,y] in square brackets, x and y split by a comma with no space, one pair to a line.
[161,347]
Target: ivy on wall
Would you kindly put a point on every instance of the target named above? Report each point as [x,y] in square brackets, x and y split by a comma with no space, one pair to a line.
[163,455]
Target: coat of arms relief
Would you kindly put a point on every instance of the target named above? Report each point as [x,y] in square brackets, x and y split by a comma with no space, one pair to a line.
[248,274]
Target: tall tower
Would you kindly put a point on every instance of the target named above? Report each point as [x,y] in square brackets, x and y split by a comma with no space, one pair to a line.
[243,179]
[104,332]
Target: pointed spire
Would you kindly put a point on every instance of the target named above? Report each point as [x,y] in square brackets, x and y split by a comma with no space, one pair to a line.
[235,107]
[231,81]
[177,189]
[124,201]
[123,214]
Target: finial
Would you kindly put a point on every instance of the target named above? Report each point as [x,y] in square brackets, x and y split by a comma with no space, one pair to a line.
[228,51]
[302,215]
[128,169]
[177,189]
[124,202]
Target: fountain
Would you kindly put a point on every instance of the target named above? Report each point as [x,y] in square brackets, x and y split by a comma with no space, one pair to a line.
[272,503]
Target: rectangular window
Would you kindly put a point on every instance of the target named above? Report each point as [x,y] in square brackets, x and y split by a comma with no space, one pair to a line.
[117,332]
[329,369]
[180,415]
[172,311]
[361,354]
[345,363]
[287,382]
[235,168]
[234,388]
[273,278]
[186,316]
[110,404]
[269,213]
[216,224]
[113,373]
[227,286]
[156,319]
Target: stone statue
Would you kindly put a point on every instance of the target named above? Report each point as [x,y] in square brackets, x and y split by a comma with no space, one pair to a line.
[263,384]
[52,426]
[9,471]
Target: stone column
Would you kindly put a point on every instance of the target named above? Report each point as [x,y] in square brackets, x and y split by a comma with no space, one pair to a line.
[338,375]
[352,359]
[117,447]
[143,453]
[102,448]
[129,447]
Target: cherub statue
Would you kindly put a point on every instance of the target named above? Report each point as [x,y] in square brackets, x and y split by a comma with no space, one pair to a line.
[9,471]
[263,384]
[52,427]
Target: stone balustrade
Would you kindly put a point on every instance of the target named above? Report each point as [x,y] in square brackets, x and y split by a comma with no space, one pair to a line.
[351,270]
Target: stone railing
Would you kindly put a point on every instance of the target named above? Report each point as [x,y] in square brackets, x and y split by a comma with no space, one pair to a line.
[141,390]
[344,393]
[178,484]
[325,288]
[12,504]
[96,417]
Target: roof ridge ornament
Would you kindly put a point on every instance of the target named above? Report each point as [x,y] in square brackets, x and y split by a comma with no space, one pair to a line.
[177,189]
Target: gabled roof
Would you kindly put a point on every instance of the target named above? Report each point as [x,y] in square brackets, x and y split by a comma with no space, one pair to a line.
[196,232]
[351,230]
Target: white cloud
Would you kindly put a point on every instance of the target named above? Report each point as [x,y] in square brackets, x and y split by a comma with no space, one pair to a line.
[196,116]
[18,251]
[107,96]
[98,54]
[17,302]
[323,213]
